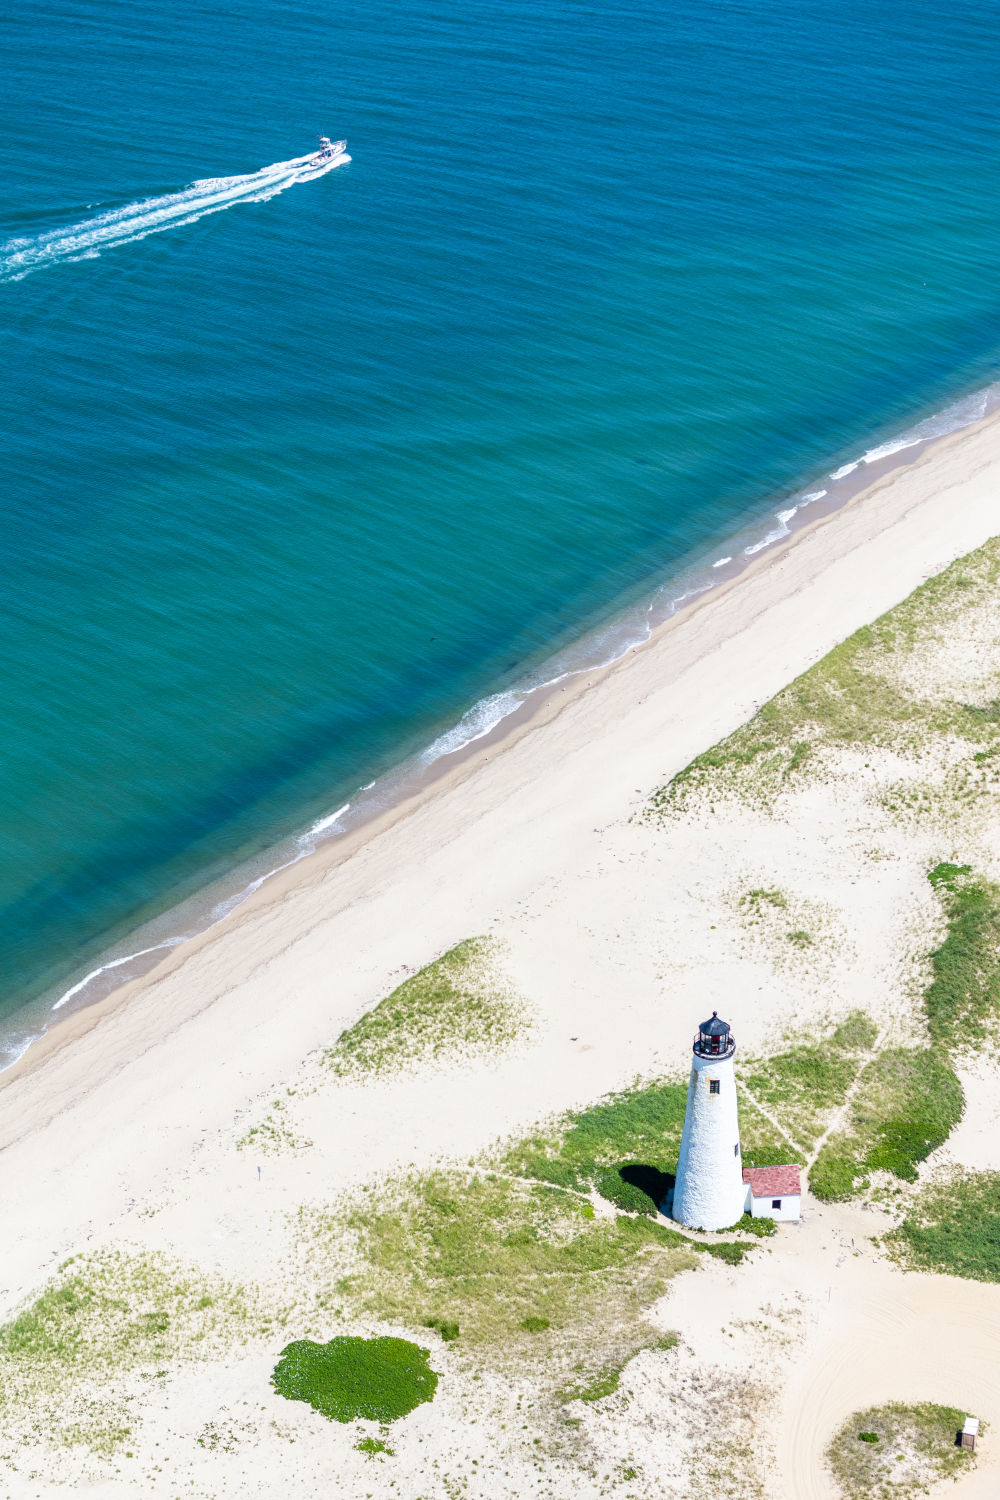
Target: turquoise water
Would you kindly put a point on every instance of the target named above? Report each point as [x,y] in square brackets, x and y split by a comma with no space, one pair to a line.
[293,483]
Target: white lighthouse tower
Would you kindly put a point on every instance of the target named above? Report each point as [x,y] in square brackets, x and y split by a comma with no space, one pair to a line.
[710,1192]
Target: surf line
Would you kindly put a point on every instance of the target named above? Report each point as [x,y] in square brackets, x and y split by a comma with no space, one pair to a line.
[305,844]
[121,226]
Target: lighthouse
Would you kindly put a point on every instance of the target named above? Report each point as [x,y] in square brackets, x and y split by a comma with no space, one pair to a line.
[710,1191]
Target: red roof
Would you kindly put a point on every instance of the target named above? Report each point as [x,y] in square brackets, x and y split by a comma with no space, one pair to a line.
[773,1182]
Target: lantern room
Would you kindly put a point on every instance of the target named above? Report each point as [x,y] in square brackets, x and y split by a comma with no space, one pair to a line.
[714,1038]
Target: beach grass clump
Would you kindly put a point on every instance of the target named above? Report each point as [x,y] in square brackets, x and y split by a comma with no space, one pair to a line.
[378,1379]
[857,697]
[733,1252]
[786,929]
[607,1380]
[458,1007]
[897,1451]
[953,1227]
[68,1358]
[963,998]
[275,1134]
[907,1102]
[374,1447]
[802,1086]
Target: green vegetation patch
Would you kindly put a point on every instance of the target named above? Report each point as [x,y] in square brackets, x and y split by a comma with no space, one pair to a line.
[374,1447]
[380,1379]
[625,1147]
[606,1381]
[493,1254]
[953,1227]
[458,1006]
[907,1103]
[763,1143]
[525,1269]
[893,1452]
[66,1359]
[802,1086]
[852,698]
[733,1252]
[761,1228]
[275,1134]
[963,999]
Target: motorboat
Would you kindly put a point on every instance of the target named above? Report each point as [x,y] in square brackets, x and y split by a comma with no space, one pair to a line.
[328,151]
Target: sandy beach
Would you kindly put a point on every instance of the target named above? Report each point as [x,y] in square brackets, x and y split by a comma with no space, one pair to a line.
[120,1127]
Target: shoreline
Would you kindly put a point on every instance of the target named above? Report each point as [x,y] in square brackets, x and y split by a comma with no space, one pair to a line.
[419,782]
[598,647]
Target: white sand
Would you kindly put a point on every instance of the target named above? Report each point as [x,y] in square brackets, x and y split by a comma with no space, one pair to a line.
[610,933]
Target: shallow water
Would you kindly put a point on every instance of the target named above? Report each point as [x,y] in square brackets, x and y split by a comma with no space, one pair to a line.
[291,484]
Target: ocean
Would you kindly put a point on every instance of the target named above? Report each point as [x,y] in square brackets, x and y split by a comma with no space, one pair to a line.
[301,475]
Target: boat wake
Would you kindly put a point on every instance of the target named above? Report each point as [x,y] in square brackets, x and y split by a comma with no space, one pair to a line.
[120,226]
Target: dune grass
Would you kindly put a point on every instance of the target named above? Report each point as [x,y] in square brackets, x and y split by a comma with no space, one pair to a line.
[67,1360]
[624,1147]
[953,1227]
[852,699]
[897,1451]
[509,1257]
[493,1256]
[605,1382]
[379,1379]
[459,1006]
[963,999]
[910,1099]
[804,1084]
[906,1105]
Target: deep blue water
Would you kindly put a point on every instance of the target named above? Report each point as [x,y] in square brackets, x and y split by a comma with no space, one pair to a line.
[289,487]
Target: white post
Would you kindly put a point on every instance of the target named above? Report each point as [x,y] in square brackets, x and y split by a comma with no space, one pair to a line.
[710,1192]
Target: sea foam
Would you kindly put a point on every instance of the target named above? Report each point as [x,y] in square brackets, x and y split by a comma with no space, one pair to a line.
[134,221]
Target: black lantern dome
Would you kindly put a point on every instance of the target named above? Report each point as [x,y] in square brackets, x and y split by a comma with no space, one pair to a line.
[714,1038]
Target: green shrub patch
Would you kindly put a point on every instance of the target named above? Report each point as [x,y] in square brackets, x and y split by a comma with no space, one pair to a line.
[380,1379]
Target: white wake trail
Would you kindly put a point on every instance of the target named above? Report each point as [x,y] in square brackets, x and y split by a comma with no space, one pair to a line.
[120,226]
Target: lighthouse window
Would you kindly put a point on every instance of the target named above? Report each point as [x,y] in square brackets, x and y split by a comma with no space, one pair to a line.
[714,1085]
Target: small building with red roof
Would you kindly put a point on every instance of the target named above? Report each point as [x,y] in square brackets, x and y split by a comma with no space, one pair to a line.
[773,1192]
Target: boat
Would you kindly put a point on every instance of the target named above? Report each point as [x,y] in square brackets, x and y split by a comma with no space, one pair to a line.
[328,151]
